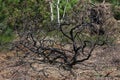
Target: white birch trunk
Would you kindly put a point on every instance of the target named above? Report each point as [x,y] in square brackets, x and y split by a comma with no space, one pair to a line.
[58,12]
[51,10]
[65,9]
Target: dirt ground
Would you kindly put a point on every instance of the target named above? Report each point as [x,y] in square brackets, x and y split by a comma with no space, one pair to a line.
[103,65]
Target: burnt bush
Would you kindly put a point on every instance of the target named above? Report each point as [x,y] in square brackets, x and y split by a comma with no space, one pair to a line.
[71,43]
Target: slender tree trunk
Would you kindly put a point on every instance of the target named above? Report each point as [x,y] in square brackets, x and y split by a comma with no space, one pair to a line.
[65,9]
[103,1]
[51,10]
[58,12]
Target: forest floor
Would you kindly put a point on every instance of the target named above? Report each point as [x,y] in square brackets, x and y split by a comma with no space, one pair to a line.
[103,65]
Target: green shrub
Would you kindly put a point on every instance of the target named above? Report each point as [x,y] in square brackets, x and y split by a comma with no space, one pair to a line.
[116,11]
[6,36]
